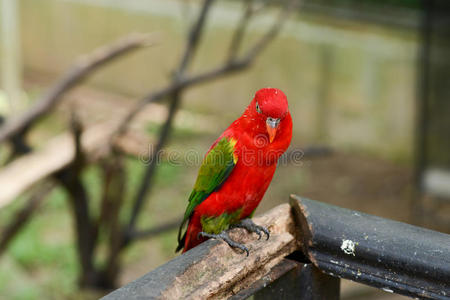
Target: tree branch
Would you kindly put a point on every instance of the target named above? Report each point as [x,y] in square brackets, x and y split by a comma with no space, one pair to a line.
[194,37]
[230,67]
[147,233]
[147,182]
[79,71]
[239,33]
[23,215]
[70,178]
[109,220]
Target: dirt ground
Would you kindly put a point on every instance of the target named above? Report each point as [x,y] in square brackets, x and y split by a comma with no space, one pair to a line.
[359,182]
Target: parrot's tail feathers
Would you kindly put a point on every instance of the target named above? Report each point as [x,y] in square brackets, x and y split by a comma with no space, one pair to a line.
[181,243]
[182,236]
[191,238]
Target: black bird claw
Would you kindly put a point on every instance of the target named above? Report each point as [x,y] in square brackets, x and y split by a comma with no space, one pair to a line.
[226,238]
[252,227]
[246,224]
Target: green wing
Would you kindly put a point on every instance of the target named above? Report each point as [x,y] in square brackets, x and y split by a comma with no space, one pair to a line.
[215,168]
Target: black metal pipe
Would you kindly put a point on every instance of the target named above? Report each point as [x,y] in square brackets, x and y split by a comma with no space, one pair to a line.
[292,279]
[386,254]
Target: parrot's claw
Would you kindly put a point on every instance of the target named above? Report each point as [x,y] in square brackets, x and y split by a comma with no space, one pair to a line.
[252,227]
[226,238]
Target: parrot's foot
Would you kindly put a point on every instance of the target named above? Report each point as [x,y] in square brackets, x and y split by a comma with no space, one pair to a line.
[225,237]
[252,227]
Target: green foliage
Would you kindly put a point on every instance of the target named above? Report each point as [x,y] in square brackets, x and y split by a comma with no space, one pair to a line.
[41,261]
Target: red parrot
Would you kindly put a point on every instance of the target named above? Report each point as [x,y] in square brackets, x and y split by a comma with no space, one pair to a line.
[236,172]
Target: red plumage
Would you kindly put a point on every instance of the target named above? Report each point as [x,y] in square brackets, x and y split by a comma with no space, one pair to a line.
[257,160]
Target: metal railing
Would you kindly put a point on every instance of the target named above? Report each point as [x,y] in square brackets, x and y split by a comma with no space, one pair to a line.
[312,246]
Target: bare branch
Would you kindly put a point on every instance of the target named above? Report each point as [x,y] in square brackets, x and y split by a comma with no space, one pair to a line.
[23,215]
[70,178]
[147,233]
[81,69]
[114,178]
[260,6]
[109,220]
[194,37]
[147,182]
[232,66]
[19,146]
[261,44]
[239,33]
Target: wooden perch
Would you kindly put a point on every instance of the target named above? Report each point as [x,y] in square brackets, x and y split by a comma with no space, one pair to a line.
[214,271]
[27,170]
[22,173]
[333,243]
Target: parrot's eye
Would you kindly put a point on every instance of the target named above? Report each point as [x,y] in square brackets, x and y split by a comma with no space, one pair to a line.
[257,108]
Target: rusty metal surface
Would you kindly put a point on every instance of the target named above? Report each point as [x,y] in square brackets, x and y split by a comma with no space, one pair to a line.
[386,254]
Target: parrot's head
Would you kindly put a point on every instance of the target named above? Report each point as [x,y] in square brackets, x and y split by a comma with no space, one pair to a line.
[270,107]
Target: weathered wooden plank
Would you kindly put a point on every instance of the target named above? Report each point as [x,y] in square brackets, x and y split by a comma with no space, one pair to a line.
[215,271]
[22,173]
[28,170]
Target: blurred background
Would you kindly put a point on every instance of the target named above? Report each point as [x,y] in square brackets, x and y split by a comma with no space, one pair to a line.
[84,209]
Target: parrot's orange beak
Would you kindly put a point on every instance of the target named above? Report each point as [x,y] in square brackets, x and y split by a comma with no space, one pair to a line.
[272,127]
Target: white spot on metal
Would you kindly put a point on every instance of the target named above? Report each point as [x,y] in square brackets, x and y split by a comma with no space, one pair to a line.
[387,290]
[348,246]
[334,262]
